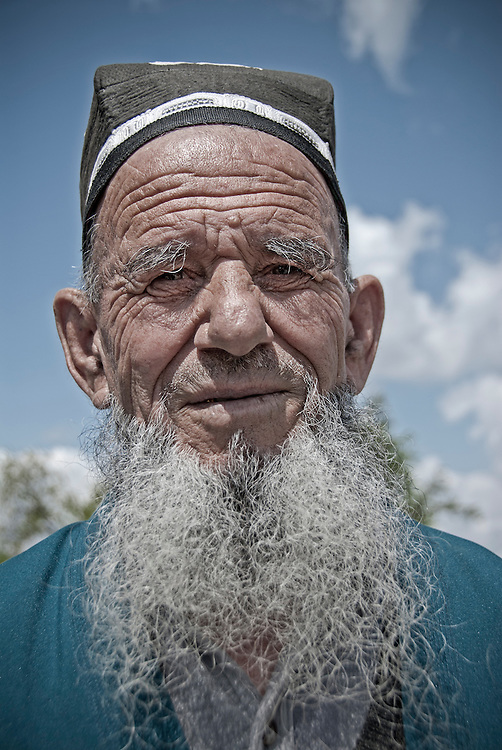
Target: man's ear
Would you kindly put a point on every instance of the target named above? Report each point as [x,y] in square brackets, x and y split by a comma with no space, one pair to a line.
[367,309]
[80,338]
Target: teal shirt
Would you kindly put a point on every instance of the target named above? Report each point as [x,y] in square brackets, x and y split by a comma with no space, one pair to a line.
[50,698]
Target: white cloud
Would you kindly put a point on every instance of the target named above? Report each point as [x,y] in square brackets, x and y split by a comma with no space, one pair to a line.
[68,463]
[480,490]
[481,399]
[424,341]
[381,28]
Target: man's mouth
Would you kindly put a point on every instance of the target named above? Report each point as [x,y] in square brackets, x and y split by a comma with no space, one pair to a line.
[240,397]
[213,393]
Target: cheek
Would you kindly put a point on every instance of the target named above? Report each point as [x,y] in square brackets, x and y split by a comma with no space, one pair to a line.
[142,343]
[315,325]
[157,339]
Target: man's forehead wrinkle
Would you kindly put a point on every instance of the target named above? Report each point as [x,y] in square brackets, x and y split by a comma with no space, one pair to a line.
[133,214]
[175,190]
[126,196]
[127,174]
[274,206]
[204,151]
[209,188]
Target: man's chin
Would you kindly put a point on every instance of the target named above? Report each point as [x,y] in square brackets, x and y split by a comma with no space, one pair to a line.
[209,428]
[214,448]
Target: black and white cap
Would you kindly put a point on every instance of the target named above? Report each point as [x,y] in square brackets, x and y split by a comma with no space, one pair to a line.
[134,103]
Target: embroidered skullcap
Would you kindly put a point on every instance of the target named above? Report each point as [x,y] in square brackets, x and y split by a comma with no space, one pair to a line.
[134,103]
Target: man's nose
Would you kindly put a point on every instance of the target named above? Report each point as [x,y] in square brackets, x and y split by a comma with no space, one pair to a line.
[233,318]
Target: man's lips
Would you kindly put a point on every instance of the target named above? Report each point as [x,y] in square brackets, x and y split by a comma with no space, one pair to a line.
[207,393]
[225,396]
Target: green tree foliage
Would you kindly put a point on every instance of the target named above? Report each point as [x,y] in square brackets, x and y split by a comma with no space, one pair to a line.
[425,502]
[35,501]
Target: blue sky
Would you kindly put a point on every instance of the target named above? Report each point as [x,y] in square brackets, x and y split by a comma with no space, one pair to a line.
[418,106]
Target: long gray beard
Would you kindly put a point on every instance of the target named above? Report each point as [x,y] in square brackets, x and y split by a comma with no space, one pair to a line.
[309,546]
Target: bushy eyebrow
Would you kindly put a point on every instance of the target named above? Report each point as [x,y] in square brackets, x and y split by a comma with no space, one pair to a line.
[171,257]
[303,252]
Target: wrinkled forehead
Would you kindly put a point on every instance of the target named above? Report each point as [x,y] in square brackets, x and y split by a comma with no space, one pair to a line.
[220,153]
[239,175]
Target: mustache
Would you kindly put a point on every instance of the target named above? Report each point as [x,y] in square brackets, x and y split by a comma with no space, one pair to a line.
[219,366]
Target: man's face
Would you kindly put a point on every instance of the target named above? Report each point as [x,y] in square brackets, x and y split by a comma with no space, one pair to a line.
[213,244]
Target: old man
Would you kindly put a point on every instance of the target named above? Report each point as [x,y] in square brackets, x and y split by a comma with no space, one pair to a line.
[251,579]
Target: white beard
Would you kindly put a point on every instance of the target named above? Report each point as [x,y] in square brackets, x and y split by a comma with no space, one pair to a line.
[306,546]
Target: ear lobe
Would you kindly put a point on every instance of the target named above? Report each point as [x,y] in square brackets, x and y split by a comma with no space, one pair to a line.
[77,329]
[367,309]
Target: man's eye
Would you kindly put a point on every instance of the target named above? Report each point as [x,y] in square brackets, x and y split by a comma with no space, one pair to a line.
[285,270]
[170,275]
[282,277]
[164,281]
